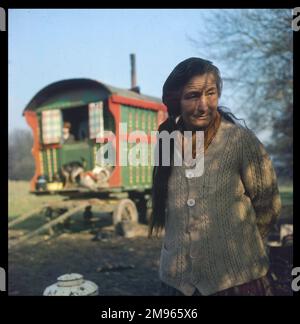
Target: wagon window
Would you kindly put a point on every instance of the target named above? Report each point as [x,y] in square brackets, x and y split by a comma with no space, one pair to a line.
[96,125]
[77,117]
[51,126]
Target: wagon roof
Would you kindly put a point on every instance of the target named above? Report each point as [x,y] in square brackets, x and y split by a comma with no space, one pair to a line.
[77,92]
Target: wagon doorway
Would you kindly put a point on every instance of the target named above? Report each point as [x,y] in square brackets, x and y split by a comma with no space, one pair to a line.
[77,146]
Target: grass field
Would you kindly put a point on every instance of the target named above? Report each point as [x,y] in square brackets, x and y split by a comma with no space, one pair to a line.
[286,193]
[21,201]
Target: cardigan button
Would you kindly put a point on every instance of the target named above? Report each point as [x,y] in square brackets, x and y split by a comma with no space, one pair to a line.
[189,174]
[191,202]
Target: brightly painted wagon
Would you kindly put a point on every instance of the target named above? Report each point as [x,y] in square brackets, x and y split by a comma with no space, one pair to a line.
[94,109]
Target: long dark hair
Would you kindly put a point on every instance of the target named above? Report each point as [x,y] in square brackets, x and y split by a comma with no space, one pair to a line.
[172,90]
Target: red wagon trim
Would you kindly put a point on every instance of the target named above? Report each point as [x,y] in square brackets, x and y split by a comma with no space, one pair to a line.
[32,121]
[138,103]
[115,178]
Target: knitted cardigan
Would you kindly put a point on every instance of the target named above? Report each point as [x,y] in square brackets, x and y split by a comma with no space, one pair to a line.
[216,223]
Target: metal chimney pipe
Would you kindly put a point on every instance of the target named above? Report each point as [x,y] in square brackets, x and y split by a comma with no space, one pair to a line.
[133,71]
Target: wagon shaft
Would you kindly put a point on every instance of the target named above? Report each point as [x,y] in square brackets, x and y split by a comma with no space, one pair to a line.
[26,216]
[49,225]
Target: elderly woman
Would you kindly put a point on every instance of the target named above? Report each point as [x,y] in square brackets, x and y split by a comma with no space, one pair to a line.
[215,224]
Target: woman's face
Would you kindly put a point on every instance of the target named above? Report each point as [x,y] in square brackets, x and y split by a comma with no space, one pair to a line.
[199,102]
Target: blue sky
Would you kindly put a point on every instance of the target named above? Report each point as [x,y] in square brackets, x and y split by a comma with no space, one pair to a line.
[46,46]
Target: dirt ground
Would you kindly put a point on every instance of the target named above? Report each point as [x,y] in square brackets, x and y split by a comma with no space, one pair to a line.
[119,266]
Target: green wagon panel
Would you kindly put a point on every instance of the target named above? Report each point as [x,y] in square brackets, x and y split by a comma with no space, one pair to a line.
[71,98]
[50,160]
[76,151]
[138,177]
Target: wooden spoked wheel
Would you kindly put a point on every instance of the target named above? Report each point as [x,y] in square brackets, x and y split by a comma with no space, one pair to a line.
[125,211]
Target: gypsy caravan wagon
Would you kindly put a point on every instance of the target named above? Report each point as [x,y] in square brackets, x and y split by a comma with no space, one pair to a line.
[91,110]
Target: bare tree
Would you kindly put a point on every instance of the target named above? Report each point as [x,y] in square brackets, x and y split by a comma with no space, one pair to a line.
[256,46]
[20,159]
